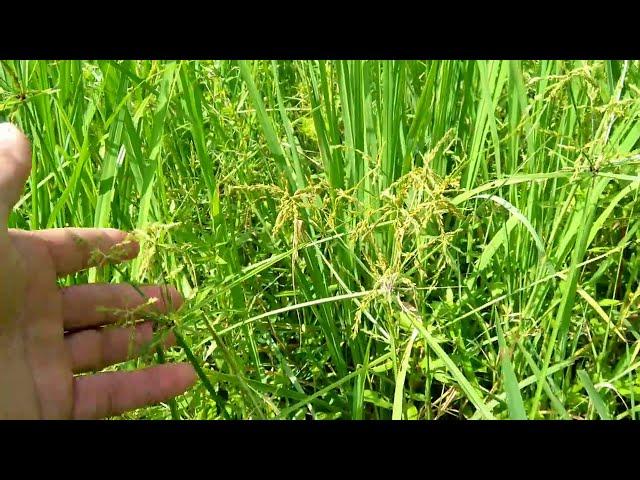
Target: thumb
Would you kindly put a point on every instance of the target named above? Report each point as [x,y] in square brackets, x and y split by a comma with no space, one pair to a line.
[15,165]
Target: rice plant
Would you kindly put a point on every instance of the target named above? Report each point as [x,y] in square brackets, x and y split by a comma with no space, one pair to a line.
[360,239]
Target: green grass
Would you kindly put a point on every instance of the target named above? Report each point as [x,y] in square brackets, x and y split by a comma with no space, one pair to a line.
[361,239]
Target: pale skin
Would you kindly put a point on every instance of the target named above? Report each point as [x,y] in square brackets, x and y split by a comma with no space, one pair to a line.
[50,334]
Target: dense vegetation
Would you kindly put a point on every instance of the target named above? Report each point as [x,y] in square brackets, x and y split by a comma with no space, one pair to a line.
[361,239]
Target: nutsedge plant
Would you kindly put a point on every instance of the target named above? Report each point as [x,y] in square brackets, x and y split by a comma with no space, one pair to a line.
[359,239]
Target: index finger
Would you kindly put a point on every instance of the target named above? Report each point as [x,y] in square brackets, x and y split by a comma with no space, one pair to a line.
[75,249]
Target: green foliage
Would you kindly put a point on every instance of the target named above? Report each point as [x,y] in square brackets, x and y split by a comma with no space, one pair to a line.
[361,239]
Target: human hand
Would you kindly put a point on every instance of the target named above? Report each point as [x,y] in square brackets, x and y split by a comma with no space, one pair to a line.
[50,333]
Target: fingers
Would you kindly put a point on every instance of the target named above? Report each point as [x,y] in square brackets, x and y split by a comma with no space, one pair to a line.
[92,350]
[113,393]
[75,249]
[91,305]
[15,166]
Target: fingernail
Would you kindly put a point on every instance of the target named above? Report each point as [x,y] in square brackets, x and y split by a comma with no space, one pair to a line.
[125,250]
[172,297]
[8,131]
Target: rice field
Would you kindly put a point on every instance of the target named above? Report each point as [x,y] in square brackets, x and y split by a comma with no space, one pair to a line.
[360,239]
